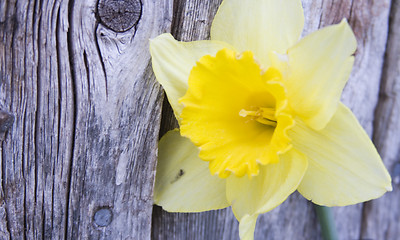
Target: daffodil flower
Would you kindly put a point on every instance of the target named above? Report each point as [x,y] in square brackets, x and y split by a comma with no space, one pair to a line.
[260,116]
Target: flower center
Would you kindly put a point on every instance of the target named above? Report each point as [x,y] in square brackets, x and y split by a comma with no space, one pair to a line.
[236,113]
[262,115]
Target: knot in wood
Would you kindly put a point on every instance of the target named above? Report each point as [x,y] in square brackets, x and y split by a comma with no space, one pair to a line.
[6,121]
[119,15]
[103,217]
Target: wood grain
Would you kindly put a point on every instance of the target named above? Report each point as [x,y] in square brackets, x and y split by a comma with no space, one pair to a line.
[79,161]
[383,213]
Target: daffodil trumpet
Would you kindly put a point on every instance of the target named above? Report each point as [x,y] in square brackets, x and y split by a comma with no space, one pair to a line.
[260,116]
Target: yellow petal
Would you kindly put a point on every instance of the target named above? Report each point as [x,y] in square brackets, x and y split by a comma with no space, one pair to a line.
[270,188]
[259,26]
[344,166]
[183,181]
[172,61]
[246,227]
[319,66]
[235,113]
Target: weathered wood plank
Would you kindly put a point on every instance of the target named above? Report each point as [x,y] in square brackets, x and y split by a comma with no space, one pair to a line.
[295,218]
[79,160]
[17,96]
[383,214]
[121,128]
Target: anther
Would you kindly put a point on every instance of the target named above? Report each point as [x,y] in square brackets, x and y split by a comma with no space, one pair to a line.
[262,115]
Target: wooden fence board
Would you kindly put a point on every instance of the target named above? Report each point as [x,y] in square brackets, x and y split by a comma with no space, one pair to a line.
[381,217]
[79,161]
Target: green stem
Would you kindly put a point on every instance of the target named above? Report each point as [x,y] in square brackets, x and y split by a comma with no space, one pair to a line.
[327,222]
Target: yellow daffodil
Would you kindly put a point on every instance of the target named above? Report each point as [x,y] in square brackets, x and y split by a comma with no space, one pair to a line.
[260,116]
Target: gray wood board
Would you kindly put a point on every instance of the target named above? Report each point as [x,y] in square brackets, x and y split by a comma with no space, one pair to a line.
[79,160]
[381,218]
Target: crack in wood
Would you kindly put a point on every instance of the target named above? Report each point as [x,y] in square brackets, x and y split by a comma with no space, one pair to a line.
[38,127]
[103,66]
[71,59]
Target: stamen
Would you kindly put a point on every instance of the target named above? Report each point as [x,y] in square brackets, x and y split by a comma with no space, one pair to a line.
[262,115]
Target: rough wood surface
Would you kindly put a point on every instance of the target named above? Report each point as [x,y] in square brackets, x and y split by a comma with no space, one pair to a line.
[384,213]
[79,161]
[80,115]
